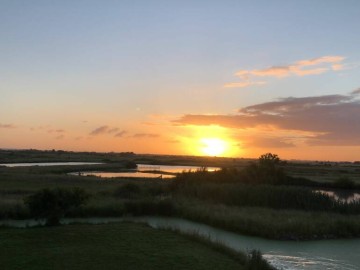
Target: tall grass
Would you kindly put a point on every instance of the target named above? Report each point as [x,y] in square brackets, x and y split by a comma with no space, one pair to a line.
[277,197]
[270,223]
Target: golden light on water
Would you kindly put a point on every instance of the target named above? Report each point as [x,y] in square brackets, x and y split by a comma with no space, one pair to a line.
[213,146]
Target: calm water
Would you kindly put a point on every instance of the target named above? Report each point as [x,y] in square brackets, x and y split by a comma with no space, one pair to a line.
[172,169]
[47,164]
[133,174]
[286,255]
[143,170]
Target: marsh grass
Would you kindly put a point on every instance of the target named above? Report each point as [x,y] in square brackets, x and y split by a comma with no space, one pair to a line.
[276,197]
[271,223]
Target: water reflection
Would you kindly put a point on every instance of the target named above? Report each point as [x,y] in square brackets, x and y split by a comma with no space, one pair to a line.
[147,171]
[172,168]
[47,164]
[133,174]
[341,195]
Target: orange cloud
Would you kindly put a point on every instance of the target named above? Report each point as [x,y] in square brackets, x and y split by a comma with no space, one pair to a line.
[320,60]
[267,142]
[304,72]
[300,68]
[328,120]
[276,71]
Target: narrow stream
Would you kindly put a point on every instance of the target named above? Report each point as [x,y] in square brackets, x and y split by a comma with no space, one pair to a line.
[339,254]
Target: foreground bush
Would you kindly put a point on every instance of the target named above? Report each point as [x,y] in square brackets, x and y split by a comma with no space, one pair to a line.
[54,204]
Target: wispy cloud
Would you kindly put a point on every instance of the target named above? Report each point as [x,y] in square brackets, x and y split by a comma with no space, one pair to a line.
[330,119]
[145,135]
[105,129]
[7,126]
[305,67]
[99,130]
[112,130]
[120,134]
[56,131]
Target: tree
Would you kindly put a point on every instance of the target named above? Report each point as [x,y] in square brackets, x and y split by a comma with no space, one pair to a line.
[269,160]
[266,170]
[54,204]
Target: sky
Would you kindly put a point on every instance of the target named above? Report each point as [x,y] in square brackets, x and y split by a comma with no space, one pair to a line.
[219,78]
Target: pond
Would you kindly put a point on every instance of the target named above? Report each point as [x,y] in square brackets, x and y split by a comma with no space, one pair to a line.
[147,171]
[287,255]
[47,164]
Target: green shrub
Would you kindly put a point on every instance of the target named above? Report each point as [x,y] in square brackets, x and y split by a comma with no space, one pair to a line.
[128,190]
[54,204]
[344,182]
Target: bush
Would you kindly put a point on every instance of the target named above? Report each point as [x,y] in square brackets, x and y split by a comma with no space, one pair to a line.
[54,204]
[128,191]
[344,182]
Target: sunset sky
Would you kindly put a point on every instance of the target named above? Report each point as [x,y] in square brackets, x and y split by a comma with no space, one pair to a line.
[226,78]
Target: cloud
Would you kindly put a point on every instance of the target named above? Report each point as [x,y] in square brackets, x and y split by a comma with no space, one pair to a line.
[112,130]
[145,135]
[7,126]
[337,67]
[60,137]
[263,142]
[107,130]
[305,67]
[120,134]
[320,60]
[56,131]
[242,84]
[100,130]
[328,120]
[356,92]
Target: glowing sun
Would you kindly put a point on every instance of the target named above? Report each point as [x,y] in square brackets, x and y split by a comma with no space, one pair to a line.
[213,146]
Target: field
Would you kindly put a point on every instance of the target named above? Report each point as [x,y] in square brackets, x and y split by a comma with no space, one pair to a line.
[110,246]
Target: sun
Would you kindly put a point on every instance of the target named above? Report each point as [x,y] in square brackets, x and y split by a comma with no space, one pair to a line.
[213,146]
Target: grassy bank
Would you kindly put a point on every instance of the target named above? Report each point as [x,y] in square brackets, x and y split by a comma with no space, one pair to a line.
[270,223]
[113,246]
